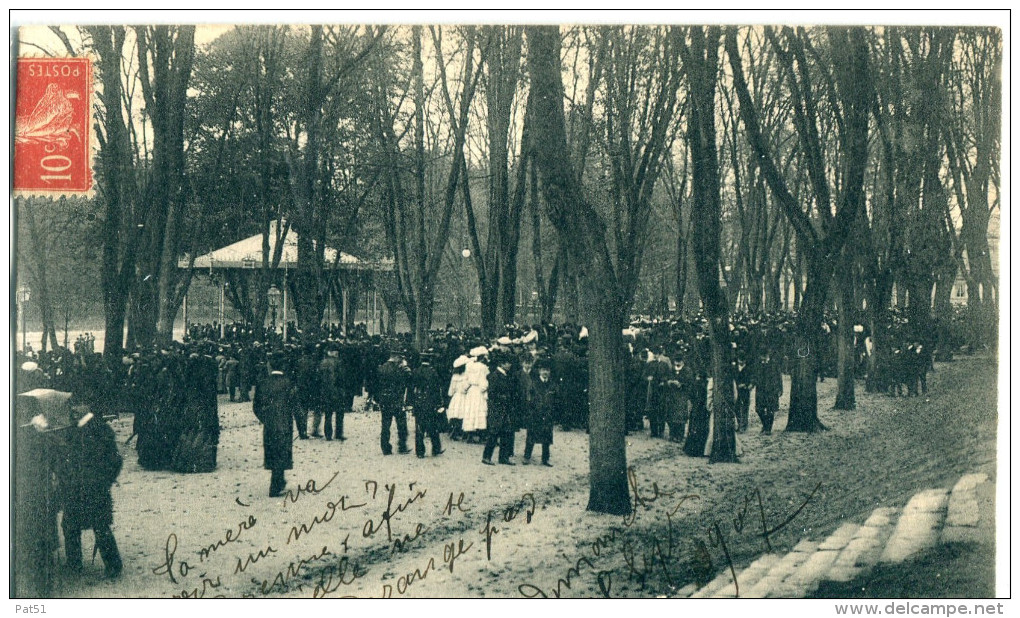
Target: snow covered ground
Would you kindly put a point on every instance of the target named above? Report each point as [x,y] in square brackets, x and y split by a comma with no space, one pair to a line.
[359,523]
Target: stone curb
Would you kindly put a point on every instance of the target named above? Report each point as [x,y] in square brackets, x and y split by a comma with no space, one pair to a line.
[889,536]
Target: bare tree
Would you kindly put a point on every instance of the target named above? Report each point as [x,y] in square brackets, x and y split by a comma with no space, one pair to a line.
[121,233]
[701,62]
[417,250]
[496,263]
[583,233]
[820,238]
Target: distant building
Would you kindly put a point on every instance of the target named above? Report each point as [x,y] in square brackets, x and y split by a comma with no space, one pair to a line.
[960,292]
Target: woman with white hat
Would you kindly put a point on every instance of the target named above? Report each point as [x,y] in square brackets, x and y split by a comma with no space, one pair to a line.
[476,399]
[458,397]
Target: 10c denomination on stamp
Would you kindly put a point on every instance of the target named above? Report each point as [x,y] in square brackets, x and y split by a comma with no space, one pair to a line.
[52,144]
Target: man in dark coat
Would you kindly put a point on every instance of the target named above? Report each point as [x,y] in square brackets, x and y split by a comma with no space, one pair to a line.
[769,386]
[675,400]
[392,382]
[275,406]
[566,371]
[502,396]
[428,399]
[351,382]
[698,420]
[658,371]
[246,372]
[743,380]
[637,390]
[540,417]
[307,375]
[330,400]
[90,465]
[231,375]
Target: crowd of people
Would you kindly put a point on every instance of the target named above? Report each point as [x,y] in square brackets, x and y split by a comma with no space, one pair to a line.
[464,387]
[172,390]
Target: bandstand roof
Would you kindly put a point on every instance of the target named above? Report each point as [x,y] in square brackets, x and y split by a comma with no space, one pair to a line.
[247,254]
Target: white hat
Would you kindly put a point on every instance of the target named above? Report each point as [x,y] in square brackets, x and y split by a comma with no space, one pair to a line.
[29,366]
[583,333]
[461,361]
[479,351]
[504,340]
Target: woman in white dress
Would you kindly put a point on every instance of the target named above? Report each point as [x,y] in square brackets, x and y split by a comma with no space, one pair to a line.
[476,398]
[458,397]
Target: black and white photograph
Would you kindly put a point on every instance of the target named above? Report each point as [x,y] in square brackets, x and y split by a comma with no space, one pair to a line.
[673,306]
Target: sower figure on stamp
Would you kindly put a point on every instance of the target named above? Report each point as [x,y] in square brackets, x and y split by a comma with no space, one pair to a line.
[428,400]
[393,381]
[275,406]
[541,414]
[89,467]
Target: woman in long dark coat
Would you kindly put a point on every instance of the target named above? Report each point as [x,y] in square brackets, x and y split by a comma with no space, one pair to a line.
[697,425]
[199,434]
[276,404]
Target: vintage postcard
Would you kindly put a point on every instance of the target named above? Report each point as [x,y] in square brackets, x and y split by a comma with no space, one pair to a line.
[463,309]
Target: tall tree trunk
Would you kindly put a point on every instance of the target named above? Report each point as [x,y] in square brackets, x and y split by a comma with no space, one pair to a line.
[701,61]
[852,83]
[804,381]
[305,174]
[583,233]
[682,261]
[172,282]
[41,298]
[846,398]
[119,248]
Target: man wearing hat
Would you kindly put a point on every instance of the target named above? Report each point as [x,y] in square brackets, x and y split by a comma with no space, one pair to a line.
[743,378]
[330,397]
[392,383]
[31,377]
[351,381]
[499,417]
[428,399]
[769,381]
[540,418]
[276,405]
[307,371]
[89,466]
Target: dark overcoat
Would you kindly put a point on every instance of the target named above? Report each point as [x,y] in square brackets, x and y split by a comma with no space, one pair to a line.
[392,382]
[89,466]
[770,385]
[329,383]
[542,413]
[308,380]
[275,405]
[502,397]
[428,390]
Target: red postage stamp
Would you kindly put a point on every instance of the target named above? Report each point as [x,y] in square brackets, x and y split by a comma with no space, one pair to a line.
[52,143]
